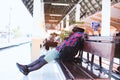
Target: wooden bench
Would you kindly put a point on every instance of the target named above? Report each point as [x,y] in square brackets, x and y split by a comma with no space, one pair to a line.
[109,48]
[103,47]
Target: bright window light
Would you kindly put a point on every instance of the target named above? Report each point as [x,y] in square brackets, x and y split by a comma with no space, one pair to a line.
[60,4]
[55,15]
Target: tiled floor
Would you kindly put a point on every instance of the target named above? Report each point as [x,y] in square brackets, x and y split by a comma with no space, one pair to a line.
[21,54]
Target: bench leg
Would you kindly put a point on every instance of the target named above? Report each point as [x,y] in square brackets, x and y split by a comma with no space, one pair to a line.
[88,61]
[100,62]
[92,60]
[88,58]
[100,65]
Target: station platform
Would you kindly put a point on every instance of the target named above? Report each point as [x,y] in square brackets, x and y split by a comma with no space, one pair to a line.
[20,51]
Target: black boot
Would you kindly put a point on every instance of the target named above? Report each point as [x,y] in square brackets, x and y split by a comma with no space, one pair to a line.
[23,68]
[41,63]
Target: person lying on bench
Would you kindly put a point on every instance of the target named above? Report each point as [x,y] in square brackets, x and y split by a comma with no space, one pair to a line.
[53,54]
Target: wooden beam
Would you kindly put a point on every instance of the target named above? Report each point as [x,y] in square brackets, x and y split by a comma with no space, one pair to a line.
[115,24]
[98,2]
[99,15]
[115,19]
[92,5]
[87,6]
[117,7]
[95,18]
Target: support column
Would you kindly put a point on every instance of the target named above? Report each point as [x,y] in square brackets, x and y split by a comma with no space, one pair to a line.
[38,18]
[77,14]
[106,10]
[62,25]
[38,28]
[58,27]
[67,22]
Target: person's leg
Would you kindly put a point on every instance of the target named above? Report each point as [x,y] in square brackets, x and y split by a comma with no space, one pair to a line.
[41,63]
[35,62]
[50,55]
[25,69]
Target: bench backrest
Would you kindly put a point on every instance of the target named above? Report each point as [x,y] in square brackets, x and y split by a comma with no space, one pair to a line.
[100,46]
[103,47]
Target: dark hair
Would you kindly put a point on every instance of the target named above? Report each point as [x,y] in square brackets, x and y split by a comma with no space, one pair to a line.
[77,29]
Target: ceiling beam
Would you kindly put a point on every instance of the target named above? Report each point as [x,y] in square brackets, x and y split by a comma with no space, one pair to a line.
[92,5]
[87,6]
[71,2]
[115,19]
[98,2]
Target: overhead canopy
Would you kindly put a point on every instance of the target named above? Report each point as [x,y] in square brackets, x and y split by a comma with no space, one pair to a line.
[54,10]
[90,11]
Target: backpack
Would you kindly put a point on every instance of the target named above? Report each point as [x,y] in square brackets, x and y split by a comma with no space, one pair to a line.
[68,53]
